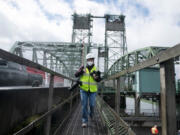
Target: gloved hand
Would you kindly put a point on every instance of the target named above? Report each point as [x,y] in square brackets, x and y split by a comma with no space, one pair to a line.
[81,68]
[80,71]
[75,85]
[96,75]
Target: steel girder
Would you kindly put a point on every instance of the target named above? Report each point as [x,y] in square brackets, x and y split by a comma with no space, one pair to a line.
[115,39]
[133,58]
[62,57]
[82,30]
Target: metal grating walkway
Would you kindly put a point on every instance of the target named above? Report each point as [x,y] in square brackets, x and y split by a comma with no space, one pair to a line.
[73,126]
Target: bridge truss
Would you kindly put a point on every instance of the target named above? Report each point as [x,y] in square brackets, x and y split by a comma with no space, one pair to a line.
[130,60]
[133,58]
[115,36]
[62,57]
[65,58]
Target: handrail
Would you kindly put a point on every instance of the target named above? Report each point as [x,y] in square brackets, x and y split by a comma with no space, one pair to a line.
[167,84]
[14,58]
[102,106]
[44,116]
[152,51]
[47,116]
[159,58]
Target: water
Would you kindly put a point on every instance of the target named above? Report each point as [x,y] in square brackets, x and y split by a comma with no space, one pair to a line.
[145,108]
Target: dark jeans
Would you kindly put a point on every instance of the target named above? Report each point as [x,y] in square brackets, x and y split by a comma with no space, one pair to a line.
[85,97]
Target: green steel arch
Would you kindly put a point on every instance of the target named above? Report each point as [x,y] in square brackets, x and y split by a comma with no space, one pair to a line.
[62,57]
[133,58]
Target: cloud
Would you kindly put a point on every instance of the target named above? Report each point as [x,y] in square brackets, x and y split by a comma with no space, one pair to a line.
[29,23]
[56,7]
[157,27]
[148,23]
[88,6]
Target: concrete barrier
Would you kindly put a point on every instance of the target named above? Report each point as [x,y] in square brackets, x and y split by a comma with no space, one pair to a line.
[17,104]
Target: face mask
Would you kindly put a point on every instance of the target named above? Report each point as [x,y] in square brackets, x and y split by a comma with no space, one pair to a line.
[89,63]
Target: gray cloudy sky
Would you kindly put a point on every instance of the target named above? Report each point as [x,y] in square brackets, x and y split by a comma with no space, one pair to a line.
[148,22]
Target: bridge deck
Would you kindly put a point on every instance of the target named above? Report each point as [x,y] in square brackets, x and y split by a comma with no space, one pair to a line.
[73,126]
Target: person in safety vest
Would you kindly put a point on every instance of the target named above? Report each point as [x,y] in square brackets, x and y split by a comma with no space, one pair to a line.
[154,130]
[89,76]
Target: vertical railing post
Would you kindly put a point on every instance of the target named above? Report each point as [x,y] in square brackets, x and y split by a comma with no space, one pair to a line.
[70,104]
[45,58]
[118,96]
[77,97]
[114,86]
[71,101]
[159,106]
[50,101]
[137,104]
[102,86]
[168,98]
[34,56]
[117,103]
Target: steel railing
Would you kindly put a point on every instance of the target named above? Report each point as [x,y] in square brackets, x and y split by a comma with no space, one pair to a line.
[45,115]
[113,122]
[166,61]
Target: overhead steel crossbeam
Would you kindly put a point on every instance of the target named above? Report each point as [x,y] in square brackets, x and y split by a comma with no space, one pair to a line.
[115,35]
[82,28]
[11,57]
[135,57]
[61,57]
[162,56]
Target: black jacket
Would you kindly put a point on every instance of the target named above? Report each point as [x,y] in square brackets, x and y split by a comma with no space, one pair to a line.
[81,71]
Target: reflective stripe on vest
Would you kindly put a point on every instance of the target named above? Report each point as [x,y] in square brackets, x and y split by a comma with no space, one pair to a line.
[88,82]
[95,83]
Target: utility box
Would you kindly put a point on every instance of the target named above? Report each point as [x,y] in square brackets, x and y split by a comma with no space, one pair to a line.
[146,80]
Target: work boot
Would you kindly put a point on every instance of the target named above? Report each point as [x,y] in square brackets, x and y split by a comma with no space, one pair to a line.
[84,125]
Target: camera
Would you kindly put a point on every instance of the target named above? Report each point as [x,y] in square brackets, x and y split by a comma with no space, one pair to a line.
[78,82]
[96,73]
[74,86]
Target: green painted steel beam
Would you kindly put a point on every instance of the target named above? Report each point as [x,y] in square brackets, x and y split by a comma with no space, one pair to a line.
[133,58]
[69,55]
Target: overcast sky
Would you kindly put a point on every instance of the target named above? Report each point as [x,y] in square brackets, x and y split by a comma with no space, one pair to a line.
[148,22]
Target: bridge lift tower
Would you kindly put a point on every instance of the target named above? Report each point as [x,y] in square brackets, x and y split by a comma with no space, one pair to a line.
[115,44]
[82,32]
[115,39]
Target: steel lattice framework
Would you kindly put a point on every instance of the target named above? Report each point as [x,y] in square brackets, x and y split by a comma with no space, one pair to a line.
[82,32]
[62,57]
[133,58]
[82,25]
[115,39]
[65,57]
[115,36]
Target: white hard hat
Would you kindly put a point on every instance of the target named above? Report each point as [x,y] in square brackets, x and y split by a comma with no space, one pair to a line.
[89,56]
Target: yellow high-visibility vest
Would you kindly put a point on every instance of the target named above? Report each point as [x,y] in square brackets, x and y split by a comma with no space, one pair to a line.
[88,82]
